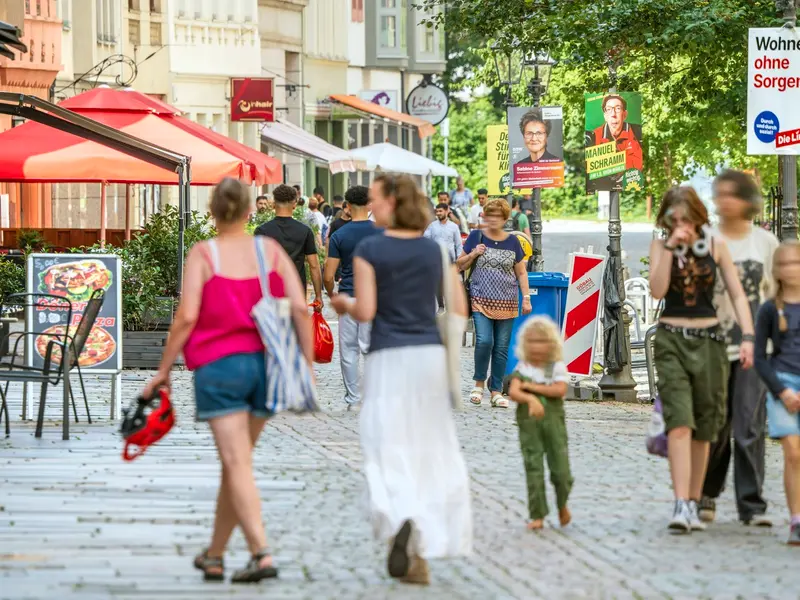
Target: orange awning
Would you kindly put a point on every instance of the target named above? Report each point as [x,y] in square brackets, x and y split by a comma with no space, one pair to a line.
[424,128]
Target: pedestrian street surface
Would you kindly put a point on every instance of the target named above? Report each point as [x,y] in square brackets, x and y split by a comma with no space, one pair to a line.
[77,522]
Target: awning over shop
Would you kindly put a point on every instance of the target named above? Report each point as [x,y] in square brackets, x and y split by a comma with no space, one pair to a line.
[296,140]
[368,109]
[388,157]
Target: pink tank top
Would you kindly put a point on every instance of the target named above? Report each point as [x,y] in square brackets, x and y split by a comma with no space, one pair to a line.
[224,325]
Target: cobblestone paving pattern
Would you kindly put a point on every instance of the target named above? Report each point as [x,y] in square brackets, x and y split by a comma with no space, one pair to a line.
[75,522]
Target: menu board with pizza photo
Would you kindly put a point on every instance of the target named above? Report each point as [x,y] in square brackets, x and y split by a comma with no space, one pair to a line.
[76,277]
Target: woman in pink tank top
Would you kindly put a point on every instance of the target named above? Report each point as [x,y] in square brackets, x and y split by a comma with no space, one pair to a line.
[218,337]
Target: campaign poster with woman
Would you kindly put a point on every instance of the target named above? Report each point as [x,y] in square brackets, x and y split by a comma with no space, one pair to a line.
[536,141]
[613,138]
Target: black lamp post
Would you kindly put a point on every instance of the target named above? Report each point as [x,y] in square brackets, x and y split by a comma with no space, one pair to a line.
[509,63]
[537,89]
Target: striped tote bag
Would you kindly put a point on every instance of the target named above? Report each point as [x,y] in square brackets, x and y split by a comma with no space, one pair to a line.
[290,384]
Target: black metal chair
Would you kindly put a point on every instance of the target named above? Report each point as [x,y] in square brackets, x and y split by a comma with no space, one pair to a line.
[53,370]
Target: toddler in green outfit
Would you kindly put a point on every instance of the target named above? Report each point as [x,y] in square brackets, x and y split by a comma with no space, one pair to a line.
[538,386]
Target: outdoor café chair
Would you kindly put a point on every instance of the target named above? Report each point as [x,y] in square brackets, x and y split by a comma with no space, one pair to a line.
[70,345]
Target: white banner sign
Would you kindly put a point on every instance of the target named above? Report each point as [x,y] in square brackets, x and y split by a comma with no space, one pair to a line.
[773,91]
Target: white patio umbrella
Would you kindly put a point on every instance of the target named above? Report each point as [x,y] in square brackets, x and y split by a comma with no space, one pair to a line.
[388,157]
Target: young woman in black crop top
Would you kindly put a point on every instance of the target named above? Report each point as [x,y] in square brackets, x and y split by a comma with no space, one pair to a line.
[690,353]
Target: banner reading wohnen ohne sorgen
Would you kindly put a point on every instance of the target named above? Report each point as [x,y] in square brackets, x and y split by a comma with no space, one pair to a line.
[773,91]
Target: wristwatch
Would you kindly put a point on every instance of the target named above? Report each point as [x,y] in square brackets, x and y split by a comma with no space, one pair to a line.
[748,337]
[668,247]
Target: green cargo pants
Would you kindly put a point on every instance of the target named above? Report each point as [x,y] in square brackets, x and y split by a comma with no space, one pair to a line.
[537,438]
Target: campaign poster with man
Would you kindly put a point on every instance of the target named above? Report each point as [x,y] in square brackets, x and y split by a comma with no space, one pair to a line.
[613,149]
[536,142]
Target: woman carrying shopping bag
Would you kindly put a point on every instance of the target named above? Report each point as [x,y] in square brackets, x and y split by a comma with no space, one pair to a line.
[418,485]
[221,342]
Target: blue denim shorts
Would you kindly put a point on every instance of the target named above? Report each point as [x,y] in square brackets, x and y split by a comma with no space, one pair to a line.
[781,422]
[231,384]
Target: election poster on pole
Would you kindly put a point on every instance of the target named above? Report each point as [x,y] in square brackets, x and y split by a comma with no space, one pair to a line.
[537,147]
[773,91]
[499,177]
[613,136]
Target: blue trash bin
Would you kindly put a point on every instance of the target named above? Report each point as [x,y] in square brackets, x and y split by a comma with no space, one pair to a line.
[548,293]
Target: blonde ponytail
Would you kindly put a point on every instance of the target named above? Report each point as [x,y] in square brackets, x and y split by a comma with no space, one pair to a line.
[779,304]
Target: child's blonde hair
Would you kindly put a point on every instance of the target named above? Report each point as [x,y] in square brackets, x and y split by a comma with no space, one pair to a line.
[545,328]
[782,250]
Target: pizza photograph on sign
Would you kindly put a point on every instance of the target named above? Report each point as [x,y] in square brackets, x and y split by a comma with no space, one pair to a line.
[75,278]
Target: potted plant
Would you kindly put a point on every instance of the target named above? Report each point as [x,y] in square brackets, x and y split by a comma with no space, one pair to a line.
[12,281]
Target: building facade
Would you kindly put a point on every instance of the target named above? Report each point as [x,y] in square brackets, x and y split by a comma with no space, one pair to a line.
[377,50]
[281,25]
[185,52]
[23,205]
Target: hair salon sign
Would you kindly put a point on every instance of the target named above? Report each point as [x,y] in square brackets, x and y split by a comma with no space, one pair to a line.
[428,102]
[252,99]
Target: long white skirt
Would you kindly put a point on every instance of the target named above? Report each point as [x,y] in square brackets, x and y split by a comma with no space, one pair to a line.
[412,458]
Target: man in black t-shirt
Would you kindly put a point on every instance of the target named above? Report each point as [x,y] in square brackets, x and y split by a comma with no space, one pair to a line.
[342,219]
[296,238]
[324,207]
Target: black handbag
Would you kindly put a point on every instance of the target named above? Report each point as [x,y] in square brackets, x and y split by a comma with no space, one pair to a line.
[468,277]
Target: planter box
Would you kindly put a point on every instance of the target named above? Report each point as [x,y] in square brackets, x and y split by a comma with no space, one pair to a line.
[144,349]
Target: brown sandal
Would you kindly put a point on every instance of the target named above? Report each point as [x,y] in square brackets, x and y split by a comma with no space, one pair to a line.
[207,564]
[254,572]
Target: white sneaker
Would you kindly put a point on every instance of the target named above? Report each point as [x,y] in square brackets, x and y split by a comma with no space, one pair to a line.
[695,522]
[762,520]
[680,518]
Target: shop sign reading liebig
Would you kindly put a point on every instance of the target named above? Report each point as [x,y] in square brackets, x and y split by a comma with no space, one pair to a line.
[252,99]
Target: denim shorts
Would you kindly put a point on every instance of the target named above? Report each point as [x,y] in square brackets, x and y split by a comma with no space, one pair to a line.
[781,422]
[231,384]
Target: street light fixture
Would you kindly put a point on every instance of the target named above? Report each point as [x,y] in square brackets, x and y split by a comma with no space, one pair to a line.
[537,89]
[509,64]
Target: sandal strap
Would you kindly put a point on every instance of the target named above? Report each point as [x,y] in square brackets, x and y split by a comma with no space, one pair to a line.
[261,555]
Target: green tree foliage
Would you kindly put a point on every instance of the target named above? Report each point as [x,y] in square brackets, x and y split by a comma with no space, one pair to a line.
[467,151]
[688,58]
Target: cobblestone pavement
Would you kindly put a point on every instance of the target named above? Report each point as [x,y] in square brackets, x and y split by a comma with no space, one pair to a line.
[75,522]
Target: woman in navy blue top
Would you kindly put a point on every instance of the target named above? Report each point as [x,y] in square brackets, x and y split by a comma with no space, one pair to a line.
[416,476]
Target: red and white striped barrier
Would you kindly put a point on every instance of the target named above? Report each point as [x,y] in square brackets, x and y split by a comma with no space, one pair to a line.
[584,299]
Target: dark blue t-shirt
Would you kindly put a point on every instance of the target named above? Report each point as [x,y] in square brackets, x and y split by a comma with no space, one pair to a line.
[789,358]
[408,275]
[343,246]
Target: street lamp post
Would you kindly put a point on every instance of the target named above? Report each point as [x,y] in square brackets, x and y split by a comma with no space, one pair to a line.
[508,76]
[536,90]
[789,161]
[618,384]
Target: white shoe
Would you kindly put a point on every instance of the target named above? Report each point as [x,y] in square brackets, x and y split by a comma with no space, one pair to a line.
[476,396]
[499,401]
[695,522]
[680,518]
[759,521]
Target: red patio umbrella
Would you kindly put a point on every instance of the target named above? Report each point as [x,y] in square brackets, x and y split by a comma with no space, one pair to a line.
[264,169]
[36,153]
